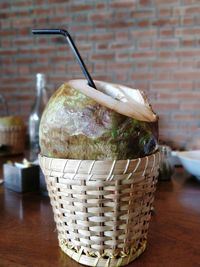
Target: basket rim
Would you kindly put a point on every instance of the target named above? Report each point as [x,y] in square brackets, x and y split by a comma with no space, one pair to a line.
[157,152]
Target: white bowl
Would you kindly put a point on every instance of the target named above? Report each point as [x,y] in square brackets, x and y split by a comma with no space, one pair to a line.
[191,161]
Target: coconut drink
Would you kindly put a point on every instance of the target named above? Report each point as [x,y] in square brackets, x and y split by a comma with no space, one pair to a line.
[80,122]
[98,154]
[12,132]
[100,161]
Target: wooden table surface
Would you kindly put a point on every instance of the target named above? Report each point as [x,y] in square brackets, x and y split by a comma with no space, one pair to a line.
[28,235]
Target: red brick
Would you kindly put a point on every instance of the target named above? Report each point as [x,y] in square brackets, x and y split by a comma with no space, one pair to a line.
[101,66]
[102,46]
[164,22]
[145,2]
[42,12]
[167,32]
[103,56]
[8,52]
[100,16]
[9,70]
[184,117]
[8,33]
[5,25]
[120,25]
[187,21]
[45,50]
[166,75]
[145,44]
[119,66]
[188,42]
[121,77]
[25,60]
[121,35]
[83,28]
[121,14]
[165,65]
[25,42]
[4,15]
[166,106]
[58,20]
[143,13]
[188,53]
[144,23]
[187,64]
[24,69]
[143,55]
[103,78]
[7,61]
[62,68]
[166,43]
[142,85]
[190,31]
[80,7]
[57,1]
[80,18]
[4,5]
[84,47]
[166,54]
[141,65]
[101,37]
[189,2]
[23,22]
[186,85]
[39,2]
[163,2]
[142,76]
[21,13]
[100,5]
[18,80]
[122,55]
[163,95]
[120,46]
[165,85]
[165,12]
[24,3]
[187,75]
[123,4]
[41,69]
[6,43]
[190,96]
[190,106]
[191,10]
[23,31]
[149,33]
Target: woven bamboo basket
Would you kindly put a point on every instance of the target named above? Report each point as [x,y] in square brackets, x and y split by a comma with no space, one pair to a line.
[14,138]
[102,208]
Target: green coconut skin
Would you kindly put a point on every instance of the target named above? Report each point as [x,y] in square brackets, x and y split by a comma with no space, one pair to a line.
[76,127]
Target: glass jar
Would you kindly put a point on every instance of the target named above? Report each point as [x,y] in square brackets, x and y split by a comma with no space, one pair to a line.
[166,169]
[35,115]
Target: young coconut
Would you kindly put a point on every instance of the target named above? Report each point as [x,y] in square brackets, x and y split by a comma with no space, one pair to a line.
[113,122]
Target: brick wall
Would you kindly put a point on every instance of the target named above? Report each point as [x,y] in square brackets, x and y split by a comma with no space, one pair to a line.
[149,44]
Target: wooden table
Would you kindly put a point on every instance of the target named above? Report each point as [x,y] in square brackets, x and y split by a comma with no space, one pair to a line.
[28,235]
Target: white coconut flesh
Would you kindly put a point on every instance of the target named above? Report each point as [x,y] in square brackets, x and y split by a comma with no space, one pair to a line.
[124,100]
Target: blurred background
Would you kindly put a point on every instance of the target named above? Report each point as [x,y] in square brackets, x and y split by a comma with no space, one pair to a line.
[145,44]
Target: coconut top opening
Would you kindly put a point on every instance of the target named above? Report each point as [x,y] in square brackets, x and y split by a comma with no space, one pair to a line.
[124,100]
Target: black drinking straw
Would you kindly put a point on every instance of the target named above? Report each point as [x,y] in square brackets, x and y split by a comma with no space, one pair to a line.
[73,47]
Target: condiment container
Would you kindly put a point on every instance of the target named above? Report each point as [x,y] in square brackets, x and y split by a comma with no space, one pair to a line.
[21,179]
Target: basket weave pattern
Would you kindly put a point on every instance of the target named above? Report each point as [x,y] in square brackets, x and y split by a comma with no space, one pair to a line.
[14,138]
[102,208]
